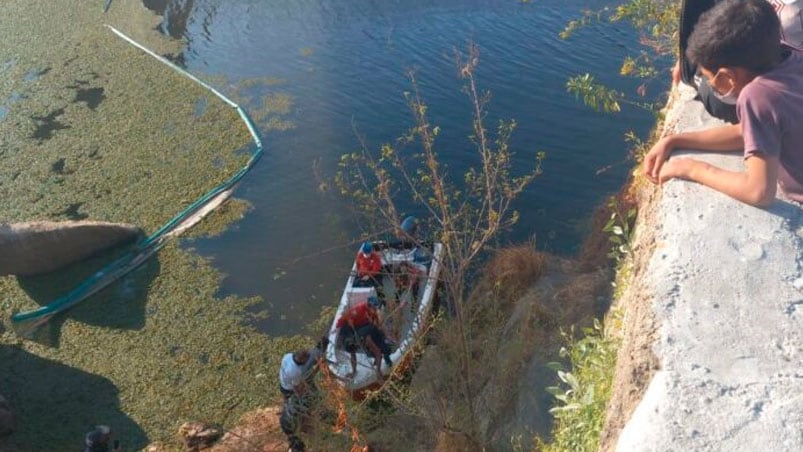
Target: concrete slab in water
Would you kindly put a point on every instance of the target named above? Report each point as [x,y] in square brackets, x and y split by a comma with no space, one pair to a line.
[39,247]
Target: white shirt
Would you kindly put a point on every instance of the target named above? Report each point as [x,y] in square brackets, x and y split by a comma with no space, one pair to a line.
[291,374]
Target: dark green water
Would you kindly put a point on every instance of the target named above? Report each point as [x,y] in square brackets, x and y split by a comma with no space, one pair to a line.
[343,65]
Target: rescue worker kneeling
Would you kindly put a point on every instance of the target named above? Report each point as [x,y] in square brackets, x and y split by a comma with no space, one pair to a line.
[361,323]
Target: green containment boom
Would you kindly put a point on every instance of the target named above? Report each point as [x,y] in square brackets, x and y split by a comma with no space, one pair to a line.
[26,322]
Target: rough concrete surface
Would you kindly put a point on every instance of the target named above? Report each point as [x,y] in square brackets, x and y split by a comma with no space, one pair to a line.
[726,284]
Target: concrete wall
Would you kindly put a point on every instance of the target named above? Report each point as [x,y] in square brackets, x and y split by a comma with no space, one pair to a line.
[723,282]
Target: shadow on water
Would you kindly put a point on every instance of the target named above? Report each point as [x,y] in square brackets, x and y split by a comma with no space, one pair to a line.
[46,125]
[72,211]
[92,97]
[177,15]
[56,404]
[119,306]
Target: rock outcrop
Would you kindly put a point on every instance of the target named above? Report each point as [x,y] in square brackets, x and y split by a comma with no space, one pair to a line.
[256,430]
[35,248]
[199,436]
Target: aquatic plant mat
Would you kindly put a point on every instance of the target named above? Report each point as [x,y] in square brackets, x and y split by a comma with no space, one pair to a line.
[26,322]
[92,128]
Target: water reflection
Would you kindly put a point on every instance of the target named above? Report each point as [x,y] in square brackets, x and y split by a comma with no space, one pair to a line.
[176,14]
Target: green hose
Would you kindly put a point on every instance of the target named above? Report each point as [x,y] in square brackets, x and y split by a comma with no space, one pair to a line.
[26,322]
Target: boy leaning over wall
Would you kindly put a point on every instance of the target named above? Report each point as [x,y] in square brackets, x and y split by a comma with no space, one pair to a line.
[737,46]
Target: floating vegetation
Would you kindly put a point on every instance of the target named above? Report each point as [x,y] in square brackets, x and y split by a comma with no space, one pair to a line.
[157,347]
[271,109]
[217,221]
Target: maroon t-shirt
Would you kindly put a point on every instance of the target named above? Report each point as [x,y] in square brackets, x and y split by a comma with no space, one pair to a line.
[770,110]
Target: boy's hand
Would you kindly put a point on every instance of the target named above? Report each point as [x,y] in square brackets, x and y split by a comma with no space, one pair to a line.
[655,159]
[676,73]
[675,168]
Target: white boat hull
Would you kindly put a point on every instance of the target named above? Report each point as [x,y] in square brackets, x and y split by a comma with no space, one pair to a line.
[410,316]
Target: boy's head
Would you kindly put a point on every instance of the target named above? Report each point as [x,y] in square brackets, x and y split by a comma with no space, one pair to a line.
[735,41]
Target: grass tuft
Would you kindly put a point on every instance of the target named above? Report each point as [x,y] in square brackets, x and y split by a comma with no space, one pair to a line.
[513,269]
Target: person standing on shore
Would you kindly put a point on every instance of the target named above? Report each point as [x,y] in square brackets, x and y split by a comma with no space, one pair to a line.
[296,372]
[296,383]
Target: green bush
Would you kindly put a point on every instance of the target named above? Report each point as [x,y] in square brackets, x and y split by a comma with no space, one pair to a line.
[584,391]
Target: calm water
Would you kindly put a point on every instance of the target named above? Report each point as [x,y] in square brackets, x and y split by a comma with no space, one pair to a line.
[344,64]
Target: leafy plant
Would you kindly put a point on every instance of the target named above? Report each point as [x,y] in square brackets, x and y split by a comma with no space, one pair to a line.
[584,390]
[594,94]
[656,21]
[620,229]
[600,97]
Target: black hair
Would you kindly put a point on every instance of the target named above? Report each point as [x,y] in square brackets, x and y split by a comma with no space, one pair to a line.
[299,353]
[737,33]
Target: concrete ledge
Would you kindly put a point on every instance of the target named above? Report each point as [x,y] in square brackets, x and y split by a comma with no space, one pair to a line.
[725,284]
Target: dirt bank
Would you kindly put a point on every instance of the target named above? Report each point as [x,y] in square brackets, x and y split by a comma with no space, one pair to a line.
[636,326]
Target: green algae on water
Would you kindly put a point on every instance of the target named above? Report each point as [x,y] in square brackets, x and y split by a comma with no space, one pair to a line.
[105,132]
[219,219]
[271,109]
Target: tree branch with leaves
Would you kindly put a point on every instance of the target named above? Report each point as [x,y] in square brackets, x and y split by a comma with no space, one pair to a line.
[465,211]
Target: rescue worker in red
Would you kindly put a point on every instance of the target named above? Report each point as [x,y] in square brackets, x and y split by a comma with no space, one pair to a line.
[360,323]
[369,269]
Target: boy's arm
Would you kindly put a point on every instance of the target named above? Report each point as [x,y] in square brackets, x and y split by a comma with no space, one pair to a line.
[723,139]
[755,186]
[676,73]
